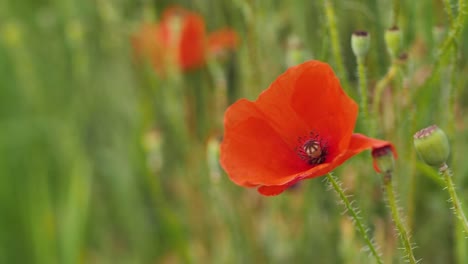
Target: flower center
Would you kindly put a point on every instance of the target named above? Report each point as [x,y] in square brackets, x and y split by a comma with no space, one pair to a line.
[312,150]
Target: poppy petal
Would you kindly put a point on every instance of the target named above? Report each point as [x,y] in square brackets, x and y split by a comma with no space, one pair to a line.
[263,139]
[224,39]
[275,103]
[357,144]
[320,101]
[185,31]
[252,152]
[144,41]
[308,98]
[192,42]
[276,189]
[360,142]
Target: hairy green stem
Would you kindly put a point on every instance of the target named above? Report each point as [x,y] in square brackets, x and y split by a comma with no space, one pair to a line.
[455,29]
[457,207]
[403,234]
[354,214]
[448,10]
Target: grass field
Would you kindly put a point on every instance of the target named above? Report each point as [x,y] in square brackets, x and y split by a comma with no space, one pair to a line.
[103,159]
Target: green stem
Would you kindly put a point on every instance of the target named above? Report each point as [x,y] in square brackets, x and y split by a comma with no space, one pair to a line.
[453,35]
[379,88]
[455,29]
[335,42]
[354,214]
[457,207]
[396,12]
[405,240]
[363,86]
[448,9]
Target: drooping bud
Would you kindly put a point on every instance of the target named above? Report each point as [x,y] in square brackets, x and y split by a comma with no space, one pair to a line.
[393,37]
[384,161]
[432,145]
[360,43]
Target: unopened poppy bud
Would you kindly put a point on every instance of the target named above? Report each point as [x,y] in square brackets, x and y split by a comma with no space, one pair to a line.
[393,38]
[432,145]
[360,42]
[383,159]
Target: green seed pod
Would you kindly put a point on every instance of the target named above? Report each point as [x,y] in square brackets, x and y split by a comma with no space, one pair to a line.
[360,43]
[432,145]
[393,37]
[384,161]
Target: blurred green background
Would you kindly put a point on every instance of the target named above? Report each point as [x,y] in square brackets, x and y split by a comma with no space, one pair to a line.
[102,161]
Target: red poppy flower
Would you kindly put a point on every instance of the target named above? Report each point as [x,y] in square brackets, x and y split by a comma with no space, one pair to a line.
[301,127]
[180,39]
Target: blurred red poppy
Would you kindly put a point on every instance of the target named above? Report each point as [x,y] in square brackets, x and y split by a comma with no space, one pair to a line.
[180,39]
[301,127]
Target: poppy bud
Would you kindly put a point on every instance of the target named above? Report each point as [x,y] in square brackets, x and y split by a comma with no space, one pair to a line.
[393,41]
[432,145]
[383,159]
[360,42]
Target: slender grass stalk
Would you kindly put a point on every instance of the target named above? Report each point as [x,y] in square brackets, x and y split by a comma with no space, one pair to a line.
[336,185]
[379,88]
[363,87]
[13,35]
[445,171]
[381,84]
[335,42]
[403,234]
[396,12]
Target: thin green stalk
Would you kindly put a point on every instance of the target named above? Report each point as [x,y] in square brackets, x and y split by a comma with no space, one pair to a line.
[335,42]
[457,207]
[14,36]
[403,234]
[450,40]
[355,215]
[379,88]
[448,10]
[396,12]
[363,86]
[455,29]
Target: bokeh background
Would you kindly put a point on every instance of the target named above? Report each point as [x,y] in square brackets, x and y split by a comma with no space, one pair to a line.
[102,160]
